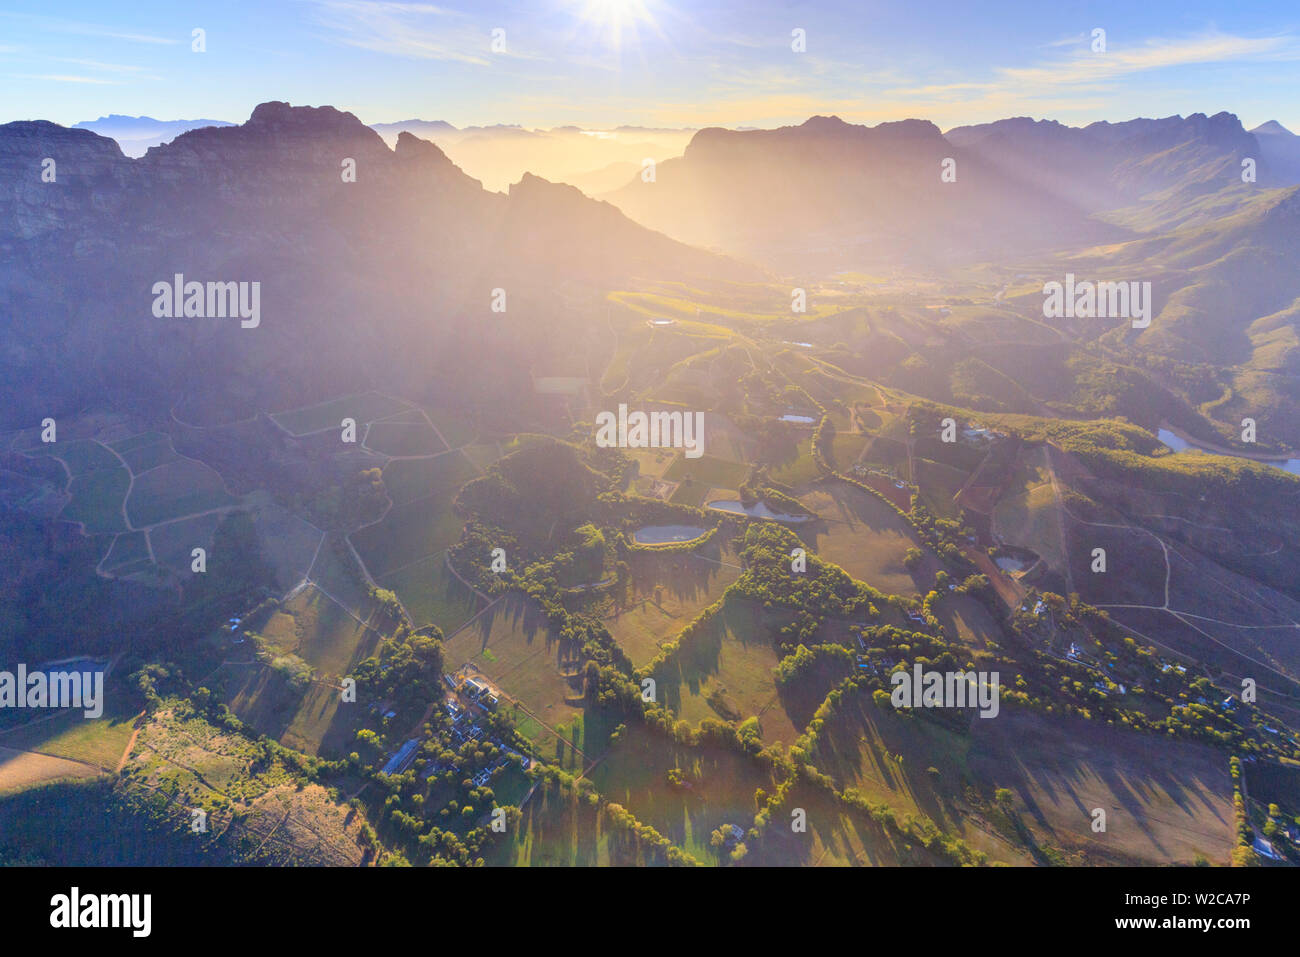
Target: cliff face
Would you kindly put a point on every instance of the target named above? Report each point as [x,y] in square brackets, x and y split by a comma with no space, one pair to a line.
[361,282]
[88,171]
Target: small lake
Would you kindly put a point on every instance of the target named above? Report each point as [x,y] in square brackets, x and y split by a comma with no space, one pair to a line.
[758,510]
[1179,444]
[666,534]
[801,419]
[1009,564]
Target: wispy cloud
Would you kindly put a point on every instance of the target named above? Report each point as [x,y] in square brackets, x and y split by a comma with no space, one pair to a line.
[126,69]
[65,78]
[1155,54]
[1073,80]
[416,30]
[80,28]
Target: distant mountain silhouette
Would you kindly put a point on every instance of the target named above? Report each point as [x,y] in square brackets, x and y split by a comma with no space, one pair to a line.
[1279,151]
[135,134]
[388,278]
[829,194]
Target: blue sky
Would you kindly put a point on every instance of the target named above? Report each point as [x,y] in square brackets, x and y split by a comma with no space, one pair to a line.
[653,62]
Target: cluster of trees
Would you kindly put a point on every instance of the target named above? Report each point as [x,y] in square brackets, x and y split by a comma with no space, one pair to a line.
[805,661]
[1243,851]
[824,589]
[405,669]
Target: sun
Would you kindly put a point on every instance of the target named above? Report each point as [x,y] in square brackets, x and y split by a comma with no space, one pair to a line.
[612,20]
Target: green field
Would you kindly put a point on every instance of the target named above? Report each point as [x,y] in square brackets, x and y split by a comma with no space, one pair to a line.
[689,493]
[457,430]
[724,671]
[1165,800]
[408,533]
[847,448]
[634,773]
[403,438]
[173,542]
[526,660]
[336,573]
[319,631]
[863,535]
[798,469]
[1027,513]
[938,484]
[180,488]
[412,479]
[80,455]
[141,458]
[707,470]
[97,500]
[432,595]
[288,542]
[127,547]
[668,591]
[70,734]
[140,440]
[364,408]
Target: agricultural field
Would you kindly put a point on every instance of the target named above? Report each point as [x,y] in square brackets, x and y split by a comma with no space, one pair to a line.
[707,470]
[173,541]
[81,456]
[327,637]
[20,770]
[724,671]
[938,484]
[137,441]
[847,448]
[1166,801]
[668,591]
[398,438]
[127,547]
[556,830]
[798,469]
[721,787]
[364,408]
[966,619]
[457,430]
[142,458]
[511,645]
[335,572]
[408,533]
[288,543]
[314,721]
[97,500]
[70,734]
[690,493]
[176,490]
[1027,512]
[652,462]
[861,534]
[432,594]
[411,479]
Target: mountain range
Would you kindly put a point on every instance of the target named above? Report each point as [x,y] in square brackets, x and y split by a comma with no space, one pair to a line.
[388,277]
